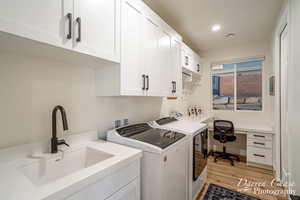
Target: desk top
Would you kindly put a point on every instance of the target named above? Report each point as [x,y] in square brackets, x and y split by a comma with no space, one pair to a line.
[240,128]
[255,128]
[252,129]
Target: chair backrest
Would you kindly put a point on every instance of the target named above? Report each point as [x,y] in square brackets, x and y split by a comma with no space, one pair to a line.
[223,127]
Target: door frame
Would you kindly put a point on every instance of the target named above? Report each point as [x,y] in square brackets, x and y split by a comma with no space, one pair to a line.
[285,28]
[282,23]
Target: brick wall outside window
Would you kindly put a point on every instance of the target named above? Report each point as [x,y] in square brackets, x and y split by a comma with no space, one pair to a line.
[247,85]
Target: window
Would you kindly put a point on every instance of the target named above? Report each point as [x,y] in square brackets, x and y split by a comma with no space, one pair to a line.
[237,86]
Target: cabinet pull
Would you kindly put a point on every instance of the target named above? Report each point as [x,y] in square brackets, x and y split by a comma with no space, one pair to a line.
[261,136]
[78,20]
[198,68]
[144,82]
[175,87]
[186,60]
[147,77]
[69,35]
[258,155]
[259,143]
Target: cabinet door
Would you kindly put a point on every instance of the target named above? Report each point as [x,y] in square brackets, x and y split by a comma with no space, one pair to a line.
[131,66]
[150,56]
[197,65]
[164,67]
[175,173]
[96,28]
[129,192]
[44,21]
[176,69]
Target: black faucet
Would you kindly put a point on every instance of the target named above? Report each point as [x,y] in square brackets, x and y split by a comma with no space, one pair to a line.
[54,141]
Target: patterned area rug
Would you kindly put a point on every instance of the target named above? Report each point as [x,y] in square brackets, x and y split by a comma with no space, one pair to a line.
[215,192]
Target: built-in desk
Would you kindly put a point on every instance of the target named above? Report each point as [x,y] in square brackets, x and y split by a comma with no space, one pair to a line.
[259,146]
[259,141]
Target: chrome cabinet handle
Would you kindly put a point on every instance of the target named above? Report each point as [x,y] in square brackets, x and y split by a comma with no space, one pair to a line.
[69,35]
[78,20]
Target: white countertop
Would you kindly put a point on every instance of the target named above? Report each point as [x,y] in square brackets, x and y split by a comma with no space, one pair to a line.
[187,125]
[15,186]
[243,128]
[254,128]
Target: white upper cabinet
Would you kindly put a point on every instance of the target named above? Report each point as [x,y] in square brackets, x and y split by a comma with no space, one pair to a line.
[165,67]
[96,28]
[139,44]
[187,57]
[131,63]
[150,56]
[197,64]
[87,26]
[176,69]
[147,67]
[45,21]
[190,59]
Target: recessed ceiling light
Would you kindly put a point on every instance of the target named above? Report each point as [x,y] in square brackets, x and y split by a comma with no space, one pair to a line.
[216,27]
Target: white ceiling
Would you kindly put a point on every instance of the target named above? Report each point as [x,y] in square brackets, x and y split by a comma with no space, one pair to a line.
[250,20]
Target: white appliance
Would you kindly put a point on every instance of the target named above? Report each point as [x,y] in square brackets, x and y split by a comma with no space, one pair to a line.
[197,134]
[164,168]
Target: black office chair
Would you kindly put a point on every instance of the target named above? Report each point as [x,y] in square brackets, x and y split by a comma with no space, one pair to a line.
[224,132]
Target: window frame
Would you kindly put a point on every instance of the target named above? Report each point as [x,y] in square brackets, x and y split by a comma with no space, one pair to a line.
[235,62]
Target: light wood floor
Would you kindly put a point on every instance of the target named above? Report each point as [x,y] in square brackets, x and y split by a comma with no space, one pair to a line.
[225,175]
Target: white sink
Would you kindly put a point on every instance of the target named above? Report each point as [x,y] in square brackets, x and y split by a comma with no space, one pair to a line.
[47,170]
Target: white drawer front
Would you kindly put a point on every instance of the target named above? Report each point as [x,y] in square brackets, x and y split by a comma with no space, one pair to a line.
[260,136]
[259,155]
[259,143]
[107,186]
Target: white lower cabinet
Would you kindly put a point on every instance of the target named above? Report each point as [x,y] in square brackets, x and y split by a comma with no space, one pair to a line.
[123,184]
[129,192]
[259,155]
[260,149]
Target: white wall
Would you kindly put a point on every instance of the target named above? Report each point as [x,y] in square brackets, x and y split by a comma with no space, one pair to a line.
[203,94]
[31,86]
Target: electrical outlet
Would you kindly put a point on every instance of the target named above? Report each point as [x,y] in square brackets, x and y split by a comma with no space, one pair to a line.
[117,123]
[125,122]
